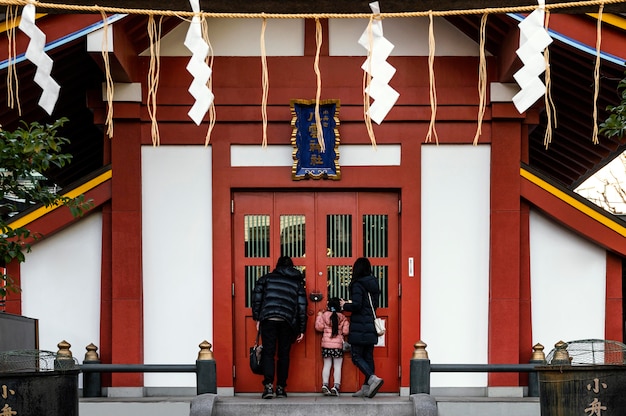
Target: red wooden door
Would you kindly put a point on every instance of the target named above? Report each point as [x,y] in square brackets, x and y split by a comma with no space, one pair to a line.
[324,233]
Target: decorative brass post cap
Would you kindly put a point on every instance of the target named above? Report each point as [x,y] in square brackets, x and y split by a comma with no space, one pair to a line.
[561,356]
[538,354]
[420,353]
[64,352]
[91,354]
[205,351]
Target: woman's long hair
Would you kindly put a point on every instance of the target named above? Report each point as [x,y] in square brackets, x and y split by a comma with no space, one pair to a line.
[362,267]
[334,306]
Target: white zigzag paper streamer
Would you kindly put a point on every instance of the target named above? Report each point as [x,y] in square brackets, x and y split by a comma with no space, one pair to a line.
[198,67]
[534,39]
[377,66]
[36,54]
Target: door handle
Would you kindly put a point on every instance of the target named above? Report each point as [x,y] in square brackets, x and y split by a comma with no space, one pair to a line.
[316,297]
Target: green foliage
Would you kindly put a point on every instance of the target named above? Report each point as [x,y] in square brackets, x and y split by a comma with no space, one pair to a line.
[615,125]
[25,155]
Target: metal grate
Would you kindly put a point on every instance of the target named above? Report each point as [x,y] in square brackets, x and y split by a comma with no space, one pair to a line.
[34,361]
[593,351]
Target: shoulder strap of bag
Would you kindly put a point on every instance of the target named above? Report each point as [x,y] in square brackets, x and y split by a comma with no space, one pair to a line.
[372,305]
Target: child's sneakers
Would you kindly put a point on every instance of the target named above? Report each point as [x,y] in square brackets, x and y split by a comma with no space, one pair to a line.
[335,390]
[326,390]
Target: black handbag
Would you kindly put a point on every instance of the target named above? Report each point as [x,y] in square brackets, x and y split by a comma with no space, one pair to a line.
[255,356]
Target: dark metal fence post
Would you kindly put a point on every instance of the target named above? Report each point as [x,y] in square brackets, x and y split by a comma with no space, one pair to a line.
[92,380]
[420,369]
[206,374]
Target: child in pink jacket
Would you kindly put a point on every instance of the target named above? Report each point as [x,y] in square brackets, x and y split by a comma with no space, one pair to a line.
[334,326]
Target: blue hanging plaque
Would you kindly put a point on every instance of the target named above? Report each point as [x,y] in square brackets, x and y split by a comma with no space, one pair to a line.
[309,159]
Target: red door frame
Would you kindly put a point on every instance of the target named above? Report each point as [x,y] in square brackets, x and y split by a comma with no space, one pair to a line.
[315,206]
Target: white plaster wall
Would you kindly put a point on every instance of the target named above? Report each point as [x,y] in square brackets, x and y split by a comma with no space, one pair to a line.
[177,258]
[568,284]
[409,35]
[241,37]
[455,259]
[285,37]
[282,155]
[61,286]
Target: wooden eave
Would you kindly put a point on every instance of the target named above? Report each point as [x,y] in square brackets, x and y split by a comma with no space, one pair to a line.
[573,211]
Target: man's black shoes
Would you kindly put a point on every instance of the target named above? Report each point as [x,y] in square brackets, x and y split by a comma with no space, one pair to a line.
[280,391]
[268,392]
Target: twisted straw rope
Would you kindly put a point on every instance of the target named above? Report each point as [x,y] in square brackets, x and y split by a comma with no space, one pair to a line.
[265,83]
[482,79]
[107,72]
[154,33]
[209,62]
[367,80]
[12,78]
[549,103]
[432,87]
[596,76]
[318,92]
[490,10]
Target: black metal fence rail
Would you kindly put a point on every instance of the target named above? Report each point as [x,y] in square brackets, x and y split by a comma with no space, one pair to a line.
[92,369]
[421,369]
[206,375]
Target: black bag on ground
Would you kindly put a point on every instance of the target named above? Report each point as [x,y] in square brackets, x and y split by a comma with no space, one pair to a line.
[255,356]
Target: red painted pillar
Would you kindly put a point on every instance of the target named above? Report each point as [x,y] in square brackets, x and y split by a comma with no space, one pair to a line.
[126,289]
[13,303]
[614,319]
[504,296]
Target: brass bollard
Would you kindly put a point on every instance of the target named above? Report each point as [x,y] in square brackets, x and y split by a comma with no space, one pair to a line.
[206,373]
[538,358]
[420,369]
[92,380]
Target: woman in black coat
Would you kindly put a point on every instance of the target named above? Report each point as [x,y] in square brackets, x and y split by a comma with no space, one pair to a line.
[363,336]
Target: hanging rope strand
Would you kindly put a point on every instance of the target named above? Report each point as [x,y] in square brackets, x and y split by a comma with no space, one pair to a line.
[107,75]
[264,82]
[549,103]
[12,78]
[154,34]
[431,77]
[482,78]
[316,66]
[209,61]
[596,76]
[367,80]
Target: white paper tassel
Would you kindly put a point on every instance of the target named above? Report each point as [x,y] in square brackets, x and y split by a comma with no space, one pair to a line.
[198,67]
[35,53]
[533,40]
[377,66]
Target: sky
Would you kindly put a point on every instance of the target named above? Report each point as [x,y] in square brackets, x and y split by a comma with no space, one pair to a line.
[612,181]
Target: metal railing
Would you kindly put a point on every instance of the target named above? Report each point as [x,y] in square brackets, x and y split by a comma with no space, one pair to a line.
[92,369]
[421,369]
[206,376]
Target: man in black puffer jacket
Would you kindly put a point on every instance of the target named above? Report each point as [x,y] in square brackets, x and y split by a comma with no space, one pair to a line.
[279,307]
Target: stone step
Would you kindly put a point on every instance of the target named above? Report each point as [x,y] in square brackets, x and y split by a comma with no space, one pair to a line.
[314,406]
[311,405]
